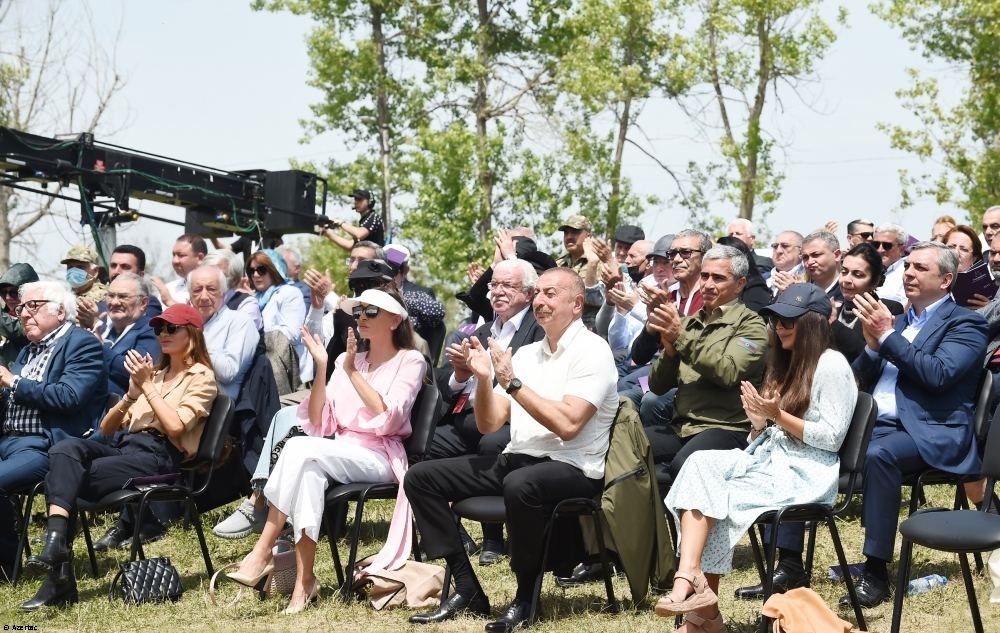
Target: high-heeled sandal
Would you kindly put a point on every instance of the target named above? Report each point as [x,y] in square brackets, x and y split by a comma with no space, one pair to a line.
[252,581]
[702,597]
[311,599]
[694,623]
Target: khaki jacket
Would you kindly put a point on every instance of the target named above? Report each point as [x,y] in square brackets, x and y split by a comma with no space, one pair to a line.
[712,358]
[633,506]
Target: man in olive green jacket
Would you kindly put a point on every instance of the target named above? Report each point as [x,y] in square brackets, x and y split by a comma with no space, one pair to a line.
[12,337]
[706,356]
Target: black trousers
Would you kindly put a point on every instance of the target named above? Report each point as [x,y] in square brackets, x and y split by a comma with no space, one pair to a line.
[91,470]
[668,446]
[531,487]
[458,435]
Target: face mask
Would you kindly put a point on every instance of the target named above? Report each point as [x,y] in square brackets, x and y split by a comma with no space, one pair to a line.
[633,272]
[76,277]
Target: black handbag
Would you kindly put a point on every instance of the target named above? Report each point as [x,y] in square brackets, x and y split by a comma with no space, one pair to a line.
[149,580]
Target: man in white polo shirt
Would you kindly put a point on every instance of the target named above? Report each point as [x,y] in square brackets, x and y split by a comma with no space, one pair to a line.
[560,396]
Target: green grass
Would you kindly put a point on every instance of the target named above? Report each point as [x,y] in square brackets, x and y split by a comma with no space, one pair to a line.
[575,609]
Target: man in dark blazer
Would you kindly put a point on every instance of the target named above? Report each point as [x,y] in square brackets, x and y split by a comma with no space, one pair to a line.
[923,372]
[128,328]
[57,388]
[511,290]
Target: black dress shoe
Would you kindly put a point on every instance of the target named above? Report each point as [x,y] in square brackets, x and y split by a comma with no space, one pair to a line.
[55,552]
[113,538]
[57,590]
[871,592]
[491,553]
[781,581]
[583,574]
[516,615]
[454,606]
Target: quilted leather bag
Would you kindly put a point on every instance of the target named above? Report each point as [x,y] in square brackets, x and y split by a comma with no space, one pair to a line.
[149,580]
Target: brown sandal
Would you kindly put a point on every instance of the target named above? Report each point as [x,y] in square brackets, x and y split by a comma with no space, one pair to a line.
[702,597]
[694,623]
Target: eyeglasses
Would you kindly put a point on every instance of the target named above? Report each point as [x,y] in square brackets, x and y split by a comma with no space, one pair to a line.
[499,285]
[783,246]
[117,296]
[171,328]
[31,306]
[370,312]
[685,253]
[257,270]
[885,246]
[785,322]
[866,235]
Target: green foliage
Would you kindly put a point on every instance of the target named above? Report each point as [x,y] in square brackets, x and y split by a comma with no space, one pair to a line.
[960,132]
[739,52]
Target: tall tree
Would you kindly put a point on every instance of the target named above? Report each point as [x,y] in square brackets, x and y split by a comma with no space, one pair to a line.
[368,60]
[55,77]
[619,54]
[741,52]
[959,132]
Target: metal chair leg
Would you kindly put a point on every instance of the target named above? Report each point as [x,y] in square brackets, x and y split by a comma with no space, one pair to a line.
[831,523]
[81,516]
[905,551]
[970,590]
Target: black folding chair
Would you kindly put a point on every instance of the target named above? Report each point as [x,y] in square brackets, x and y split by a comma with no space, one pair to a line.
[423,419]
[961,532]
[196,475]
[852,463]
[491,509]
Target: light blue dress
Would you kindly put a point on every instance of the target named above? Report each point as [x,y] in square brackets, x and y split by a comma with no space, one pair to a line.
[735,487]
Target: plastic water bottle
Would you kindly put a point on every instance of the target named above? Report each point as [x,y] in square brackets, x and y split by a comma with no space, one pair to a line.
[925,584]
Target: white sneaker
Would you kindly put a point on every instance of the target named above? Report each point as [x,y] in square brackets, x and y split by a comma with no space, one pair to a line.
[246,519]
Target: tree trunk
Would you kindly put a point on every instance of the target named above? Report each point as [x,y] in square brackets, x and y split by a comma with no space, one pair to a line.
[485,173]
[614,202]
[382,114]
[5,212]
[748,190]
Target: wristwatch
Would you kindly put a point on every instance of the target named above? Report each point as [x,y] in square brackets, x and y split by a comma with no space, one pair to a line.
[514,385]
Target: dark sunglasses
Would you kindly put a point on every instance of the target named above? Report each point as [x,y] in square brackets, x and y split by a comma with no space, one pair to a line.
[685,253]
[369,311]
[886,246]
[257,270]
[786,322]
[864,234]
[171,328]
[10,291]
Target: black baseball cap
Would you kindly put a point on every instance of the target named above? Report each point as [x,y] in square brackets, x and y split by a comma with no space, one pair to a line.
[797,299]
[629,234]
[361,194]
[662,246]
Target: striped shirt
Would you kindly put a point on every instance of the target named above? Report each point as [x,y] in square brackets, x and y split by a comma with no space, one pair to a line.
[21,418]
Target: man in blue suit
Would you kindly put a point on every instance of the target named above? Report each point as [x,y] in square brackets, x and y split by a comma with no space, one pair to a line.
[128,328]
[57,388]
[923,372]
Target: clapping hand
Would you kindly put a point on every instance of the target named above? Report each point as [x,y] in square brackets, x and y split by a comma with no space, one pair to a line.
[477,359]
[352,351]
[610,275]
[665,321]
[601,249]
[317,349]
[320,284]
[505,245]
[474,272]
[875,318]
[502,367]
[140,371]
[618,297]
[455,353]
[758,408]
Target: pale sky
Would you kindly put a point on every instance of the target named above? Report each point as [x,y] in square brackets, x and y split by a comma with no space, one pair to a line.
[218,84]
